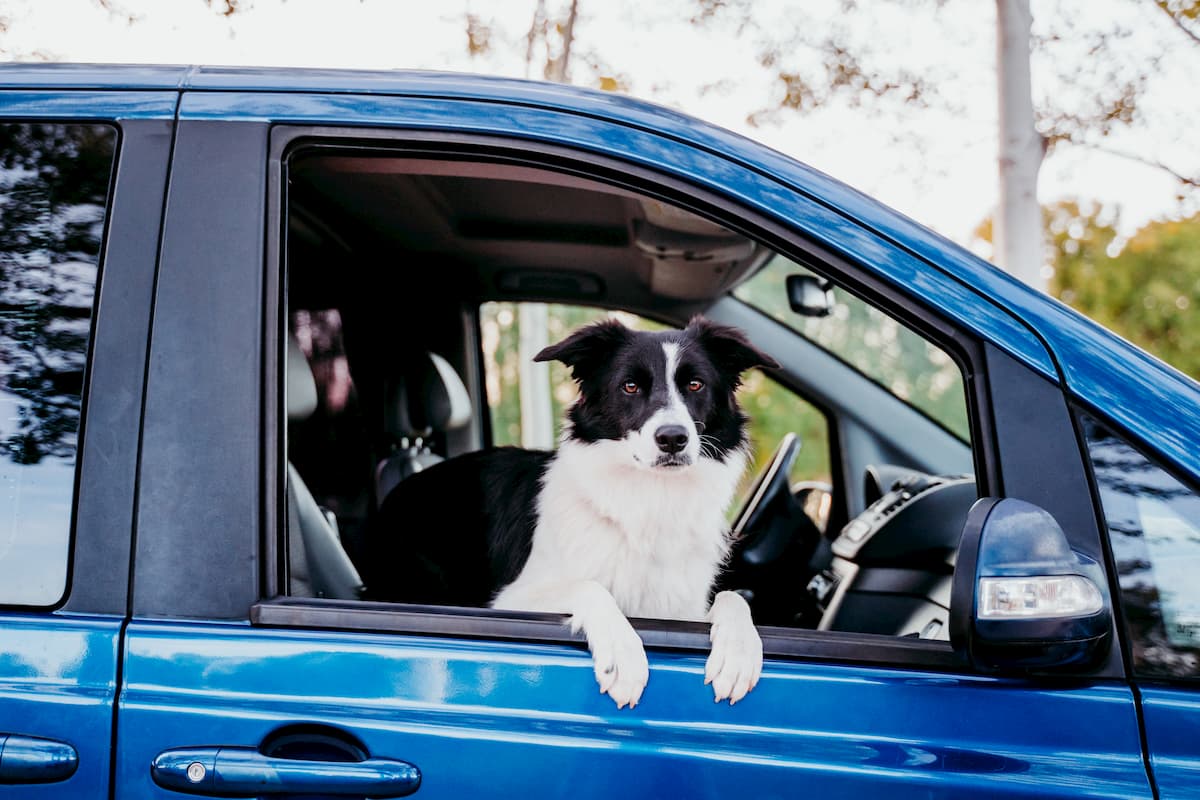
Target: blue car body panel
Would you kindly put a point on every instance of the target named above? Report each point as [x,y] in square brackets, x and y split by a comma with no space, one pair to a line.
[479,718]
[1172,719]
[58,684]
[87,105]
[58,670]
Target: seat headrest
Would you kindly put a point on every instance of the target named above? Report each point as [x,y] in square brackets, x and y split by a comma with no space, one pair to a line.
[301,387]
[427,395]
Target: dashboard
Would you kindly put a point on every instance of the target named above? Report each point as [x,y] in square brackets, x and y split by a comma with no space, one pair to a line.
[890,569]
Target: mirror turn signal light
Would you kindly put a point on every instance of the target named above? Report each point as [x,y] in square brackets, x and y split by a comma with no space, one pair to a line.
[1038,597]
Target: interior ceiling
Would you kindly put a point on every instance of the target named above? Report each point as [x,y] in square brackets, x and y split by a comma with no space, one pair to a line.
[510,231]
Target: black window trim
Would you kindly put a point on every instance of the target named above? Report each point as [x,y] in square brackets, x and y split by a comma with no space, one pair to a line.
[280,611]
[657,634]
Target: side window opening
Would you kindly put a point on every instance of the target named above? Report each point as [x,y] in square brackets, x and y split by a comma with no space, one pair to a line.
[54,183]
[377,295]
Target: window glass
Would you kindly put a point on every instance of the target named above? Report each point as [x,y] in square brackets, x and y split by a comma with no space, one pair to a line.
[1154,527]
[53,192]
[892,355]
[773,409]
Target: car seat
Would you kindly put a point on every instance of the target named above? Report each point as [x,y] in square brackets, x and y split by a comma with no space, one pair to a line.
[317,563]
[424,398]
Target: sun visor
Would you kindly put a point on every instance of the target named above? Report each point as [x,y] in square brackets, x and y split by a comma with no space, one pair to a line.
[690,258]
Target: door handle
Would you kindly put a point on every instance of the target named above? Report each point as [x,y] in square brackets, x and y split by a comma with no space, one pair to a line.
[24,759]
[222,771]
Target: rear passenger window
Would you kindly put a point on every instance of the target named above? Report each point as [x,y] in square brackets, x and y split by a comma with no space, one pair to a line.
[1154,526]
[54,182]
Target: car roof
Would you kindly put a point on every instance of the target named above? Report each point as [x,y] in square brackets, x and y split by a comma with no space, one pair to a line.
[1156,403]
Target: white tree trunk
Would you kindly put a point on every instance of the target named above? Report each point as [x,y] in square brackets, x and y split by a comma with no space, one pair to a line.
[1018,234]
[537,419]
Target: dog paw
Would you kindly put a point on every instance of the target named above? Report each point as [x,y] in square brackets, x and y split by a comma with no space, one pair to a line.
[619,660]
[735,663]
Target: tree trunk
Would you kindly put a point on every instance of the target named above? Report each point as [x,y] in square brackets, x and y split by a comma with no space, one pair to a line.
[1019,236]
[537,421]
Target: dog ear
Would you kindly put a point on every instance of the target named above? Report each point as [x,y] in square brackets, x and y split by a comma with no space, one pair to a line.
[587,348]
[728,346]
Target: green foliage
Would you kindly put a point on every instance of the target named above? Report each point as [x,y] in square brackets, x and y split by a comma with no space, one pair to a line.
[774,411]
[1145,291]
[501,336]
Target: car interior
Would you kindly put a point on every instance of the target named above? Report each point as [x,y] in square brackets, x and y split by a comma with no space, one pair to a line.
[406,272]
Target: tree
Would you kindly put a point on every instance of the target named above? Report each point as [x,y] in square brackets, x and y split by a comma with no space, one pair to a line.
[1108,80]
[1144,290]
[1020,247]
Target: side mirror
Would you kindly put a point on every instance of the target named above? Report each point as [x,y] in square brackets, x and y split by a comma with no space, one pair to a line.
[809,296]
[1021,598]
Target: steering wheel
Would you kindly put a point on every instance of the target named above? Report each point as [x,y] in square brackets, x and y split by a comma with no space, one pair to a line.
[774,543]
[760,542]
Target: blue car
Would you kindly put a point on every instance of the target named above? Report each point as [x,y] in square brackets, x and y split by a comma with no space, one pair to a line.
[239,306]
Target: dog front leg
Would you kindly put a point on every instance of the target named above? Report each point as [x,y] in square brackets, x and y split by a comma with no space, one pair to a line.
[618,656]
[735,663]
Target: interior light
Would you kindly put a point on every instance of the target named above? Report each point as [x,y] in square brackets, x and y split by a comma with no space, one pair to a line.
[1043,596]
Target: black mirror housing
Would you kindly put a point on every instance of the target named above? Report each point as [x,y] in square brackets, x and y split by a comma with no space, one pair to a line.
[809,296]
[1022,599]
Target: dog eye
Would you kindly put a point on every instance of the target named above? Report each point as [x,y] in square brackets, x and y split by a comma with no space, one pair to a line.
[630,387]
[695,386]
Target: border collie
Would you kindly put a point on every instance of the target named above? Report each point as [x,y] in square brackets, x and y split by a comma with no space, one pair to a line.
[626,519]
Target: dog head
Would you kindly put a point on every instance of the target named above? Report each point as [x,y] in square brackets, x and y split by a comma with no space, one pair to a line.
[667,398]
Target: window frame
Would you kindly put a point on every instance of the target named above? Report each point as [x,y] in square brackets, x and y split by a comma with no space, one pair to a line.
[276,610]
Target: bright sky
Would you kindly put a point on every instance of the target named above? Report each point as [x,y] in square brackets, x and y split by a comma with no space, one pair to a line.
[936,165]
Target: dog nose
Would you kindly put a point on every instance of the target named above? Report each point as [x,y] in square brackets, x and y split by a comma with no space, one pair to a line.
[671,438]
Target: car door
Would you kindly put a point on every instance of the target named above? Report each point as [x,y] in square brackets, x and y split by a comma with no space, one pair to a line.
[82,190]
[229,686]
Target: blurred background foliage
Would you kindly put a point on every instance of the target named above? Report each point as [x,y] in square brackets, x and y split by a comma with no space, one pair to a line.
[1142,286]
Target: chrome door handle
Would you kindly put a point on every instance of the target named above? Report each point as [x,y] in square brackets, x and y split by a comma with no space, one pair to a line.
[24,759]
[223,771]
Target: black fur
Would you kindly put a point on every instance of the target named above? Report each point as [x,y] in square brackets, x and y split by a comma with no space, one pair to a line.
[456,533]
[604,355]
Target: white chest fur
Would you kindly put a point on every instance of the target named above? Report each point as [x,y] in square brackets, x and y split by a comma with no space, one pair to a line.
[653,538]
